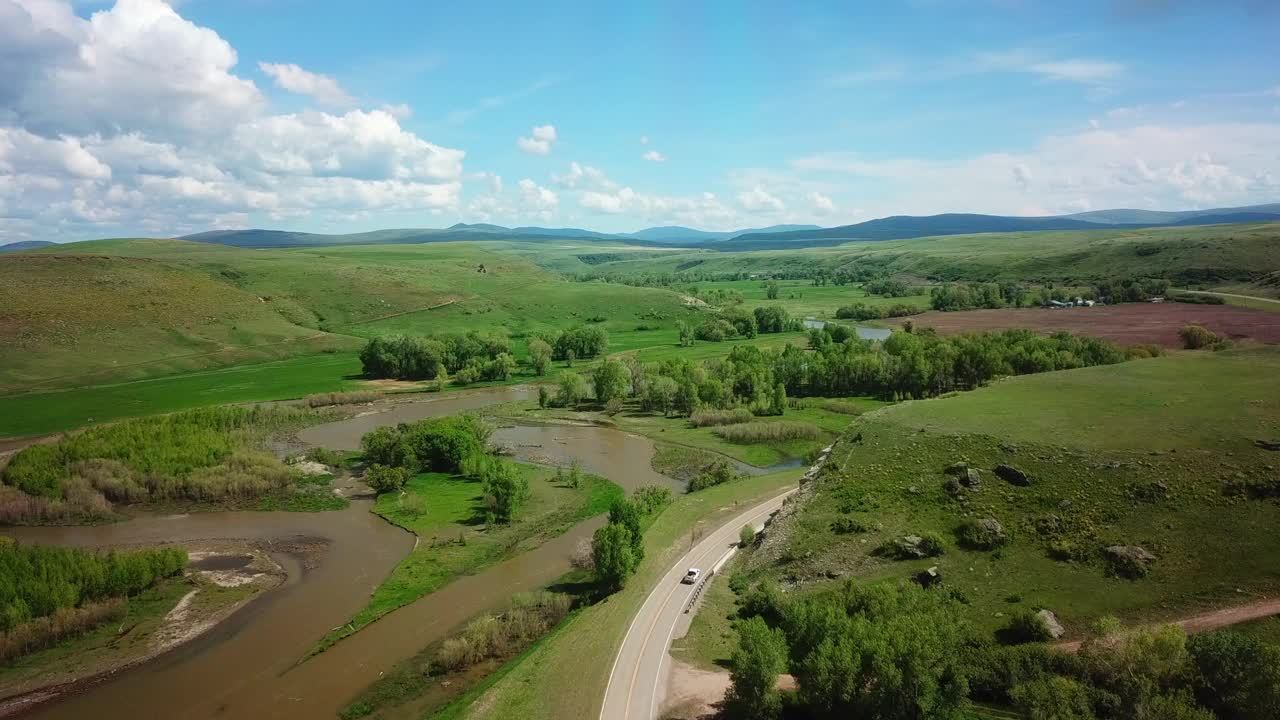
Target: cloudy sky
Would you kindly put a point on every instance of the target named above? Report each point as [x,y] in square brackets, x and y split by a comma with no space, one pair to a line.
[147,118]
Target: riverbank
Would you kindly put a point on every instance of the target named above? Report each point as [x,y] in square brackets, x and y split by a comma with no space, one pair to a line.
[222,578]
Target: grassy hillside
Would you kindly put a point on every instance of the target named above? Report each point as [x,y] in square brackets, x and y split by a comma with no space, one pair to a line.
[108,311]
[1143,453]
[1215,254]
[68,316]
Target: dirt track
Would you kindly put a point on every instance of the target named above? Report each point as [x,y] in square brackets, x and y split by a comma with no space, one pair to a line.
[1130,323]
[1212,620]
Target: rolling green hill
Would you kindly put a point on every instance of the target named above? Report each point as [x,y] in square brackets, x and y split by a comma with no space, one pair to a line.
[1212,254]
[107,311]
[1157,453]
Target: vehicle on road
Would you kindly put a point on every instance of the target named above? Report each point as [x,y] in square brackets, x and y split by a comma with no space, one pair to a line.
[691,577]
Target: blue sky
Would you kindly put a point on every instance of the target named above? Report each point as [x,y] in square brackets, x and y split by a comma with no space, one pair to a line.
[141,118]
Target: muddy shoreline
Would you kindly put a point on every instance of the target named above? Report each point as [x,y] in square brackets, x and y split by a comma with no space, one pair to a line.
[247,665]
[222,563]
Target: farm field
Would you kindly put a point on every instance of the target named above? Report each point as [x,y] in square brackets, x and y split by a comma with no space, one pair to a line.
[1127,324]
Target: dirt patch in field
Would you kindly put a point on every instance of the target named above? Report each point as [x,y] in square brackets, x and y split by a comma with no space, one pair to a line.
[1127,324]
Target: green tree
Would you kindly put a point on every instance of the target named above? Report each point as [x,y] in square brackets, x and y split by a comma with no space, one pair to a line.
[1053,698]
[505,490]
[569,356]
[760,657]
[627,514]
[687,337]
[540,355]
[544,396]
[778,400]
[384,479]
[611,551]
[660,395]
[771,289]
[686,400]
[1239,675]
[572,389]
[610,381]
[746,536]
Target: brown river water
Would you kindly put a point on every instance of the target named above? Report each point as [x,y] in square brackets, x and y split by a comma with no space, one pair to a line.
[247,666]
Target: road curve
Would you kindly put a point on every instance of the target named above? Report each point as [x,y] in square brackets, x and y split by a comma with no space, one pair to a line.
[637,683]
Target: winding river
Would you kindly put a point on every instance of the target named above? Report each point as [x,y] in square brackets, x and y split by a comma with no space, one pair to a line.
[247,666]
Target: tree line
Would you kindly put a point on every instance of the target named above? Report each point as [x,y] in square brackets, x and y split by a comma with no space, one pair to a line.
[738,323]
[895,651]
[36,581]
[473,356]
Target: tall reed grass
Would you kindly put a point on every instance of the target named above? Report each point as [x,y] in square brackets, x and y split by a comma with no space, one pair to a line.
[766,432]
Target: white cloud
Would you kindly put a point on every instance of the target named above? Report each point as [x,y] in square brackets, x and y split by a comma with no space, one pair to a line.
[1147,166]
[296,80]
[822,204]
[134,122]
[399,111]
[654,156]
[1080,71]
[757,200]
[584,177]
[540,141]
[644,139]
[538,201]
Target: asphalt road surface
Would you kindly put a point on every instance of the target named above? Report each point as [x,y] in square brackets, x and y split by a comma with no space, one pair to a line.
[637,684]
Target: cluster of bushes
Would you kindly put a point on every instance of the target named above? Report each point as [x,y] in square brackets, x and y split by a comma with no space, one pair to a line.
[888,288]
[898,651]
[738,323]
[1198,299]
[584,341]
[403,357]
[862,311]
[340,398]
[530,616]
[198,455]
[719,473]
[1127,290]
[444,444]
[708,417]
[66,591]
[1195,337]
[1149,673]
[768,432]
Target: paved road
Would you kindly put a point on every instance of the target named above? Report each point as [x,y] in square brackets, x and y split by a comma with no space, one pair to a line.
[637,684]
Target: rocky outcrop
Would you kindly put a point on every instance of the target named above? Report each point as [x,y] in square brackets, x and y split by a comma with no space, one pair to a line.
[1129,561]
[1012,475]
[1051,623]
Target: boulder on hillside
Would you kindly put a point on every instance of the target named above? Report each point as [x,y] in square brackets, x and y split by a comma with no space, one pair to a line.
[983,534]
[1012,475]
[929,578]
[913,547]
[1129,561]
[953,487]
[1051,623]
[972,479]
[957,468]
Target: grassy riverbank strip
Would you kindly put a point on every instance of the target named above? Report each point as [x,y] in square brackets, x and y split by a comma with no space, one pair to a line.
[566,675]
[447,515]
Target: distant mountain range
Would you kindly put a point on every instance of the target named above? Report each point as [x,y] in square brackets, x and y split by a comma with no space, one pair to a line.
[898,227]
[24,245]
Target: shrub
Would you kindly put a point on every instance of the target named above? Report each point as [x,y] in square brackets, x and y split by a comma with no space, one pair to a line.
[384,479]
[711,418]
[847,525]
[651,498]
[718,473]
[715,330]
[1025,627]
[1068,551]
[340,398]
[324,456]
[985,534]
[1195,337]
[746,536]
[767,432]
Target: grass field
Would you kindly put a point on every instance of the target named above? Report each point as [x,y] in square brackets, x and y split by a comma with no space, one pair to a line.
[565,675]
[801,299]
[45,412]
[447,515]
[117,310]
[1132,454]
